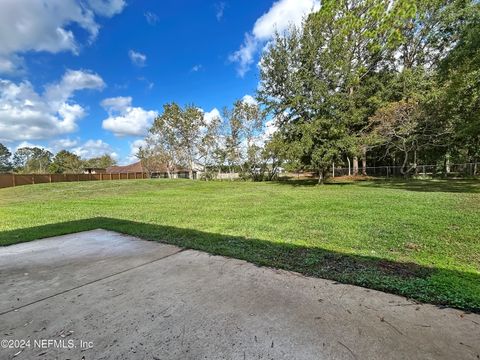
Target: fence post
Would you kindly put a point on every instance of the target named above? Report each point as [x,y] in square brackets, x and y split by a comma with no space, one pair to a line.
[13,180]
[33,179]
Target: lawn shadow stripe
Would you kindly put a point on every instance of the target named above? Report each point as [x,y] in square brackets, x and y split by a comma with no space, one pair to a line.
[422,283]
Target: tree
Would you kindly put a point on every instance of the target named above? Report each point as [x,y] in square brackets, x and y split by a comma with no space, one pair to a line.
[273,155]
[66,162]
[245,120]
[32,160]
[163,137]
[177,133]
[458,102]
[309,77]
[402,127]
[233,141]
[5,163]
[188,127]
[101,162]
[209,151]
[153,156]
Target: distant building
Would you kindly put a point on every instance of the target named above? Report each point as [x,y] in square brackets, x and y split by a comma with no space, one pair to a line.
[94,170]
[159,172]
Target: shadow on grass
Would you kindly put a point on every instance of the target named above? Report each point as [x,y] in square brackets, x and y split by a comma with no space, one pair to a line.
[437,185]
[311,182]
[439,286]
[450,185]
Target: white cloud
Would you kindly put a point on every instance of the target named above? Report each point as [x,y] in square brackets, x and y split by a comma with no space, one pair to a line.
[219,10]
[248,99]
[107,8]
[11,64]
[47,25]
[152,18]
[124,119]
[117,104]
[30,145]
[72,81]
[270,129]
[137,58]
[94,148]
[279,17]
[63,144]
[211,115]
[27,115]
[244,56]
[197,67]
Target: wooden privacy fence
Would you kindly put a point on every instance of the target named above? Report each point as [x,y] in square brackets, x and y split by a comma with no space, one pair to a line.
[9,180]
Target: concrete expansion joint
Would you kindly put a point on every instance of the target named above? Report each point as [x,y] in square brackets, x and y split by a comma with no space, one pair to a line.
[89,283]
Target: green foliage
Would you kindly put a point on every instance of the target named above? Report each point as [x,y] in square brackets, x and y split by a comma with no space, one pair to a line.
[5,163]
[31,160]
[331,82]
[244,121]
[209,151]
[459,95]
[310,77]
[176,134]
[101,162]
[65,162]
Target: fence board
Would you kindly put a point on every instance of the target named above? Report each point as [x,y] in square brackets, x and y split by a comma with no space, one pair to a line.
[41,178]
[10,180]
[6,180]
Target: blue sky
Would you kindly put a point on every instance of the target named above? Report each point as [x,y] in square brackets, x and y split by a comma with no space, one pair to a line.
[90,75]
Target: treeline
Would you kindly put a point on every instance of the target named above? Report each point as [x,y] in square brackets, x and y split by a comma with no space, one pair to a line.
[184,136]
[35,160]
[378,82]
[388,82]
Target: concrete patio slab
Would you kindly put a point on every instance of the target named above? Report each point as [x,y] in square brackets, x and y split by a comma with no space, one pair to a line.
[102,295]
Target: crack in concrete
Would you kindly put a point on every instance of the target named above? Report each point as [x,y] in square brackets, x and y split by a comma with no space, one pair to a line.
[88,283]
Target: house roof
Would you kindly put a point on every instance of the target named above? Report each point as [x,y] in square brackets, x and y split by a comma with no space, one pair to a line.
[135,167]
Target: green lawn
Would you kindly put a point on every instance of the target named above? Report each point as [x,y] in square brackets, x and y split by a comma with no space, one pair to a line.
[420,239]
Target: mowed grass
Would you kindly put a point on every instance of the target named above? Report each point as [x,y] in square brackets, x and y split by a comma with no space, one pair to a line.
[420,239]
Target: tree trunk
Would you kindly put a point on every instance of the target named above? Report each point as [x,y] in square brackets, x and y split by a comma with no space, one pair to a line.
[320,176]
[404,164]
[355,166]
[190,169]
[447,164]
[415,162]
[364,160]
[349,169]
